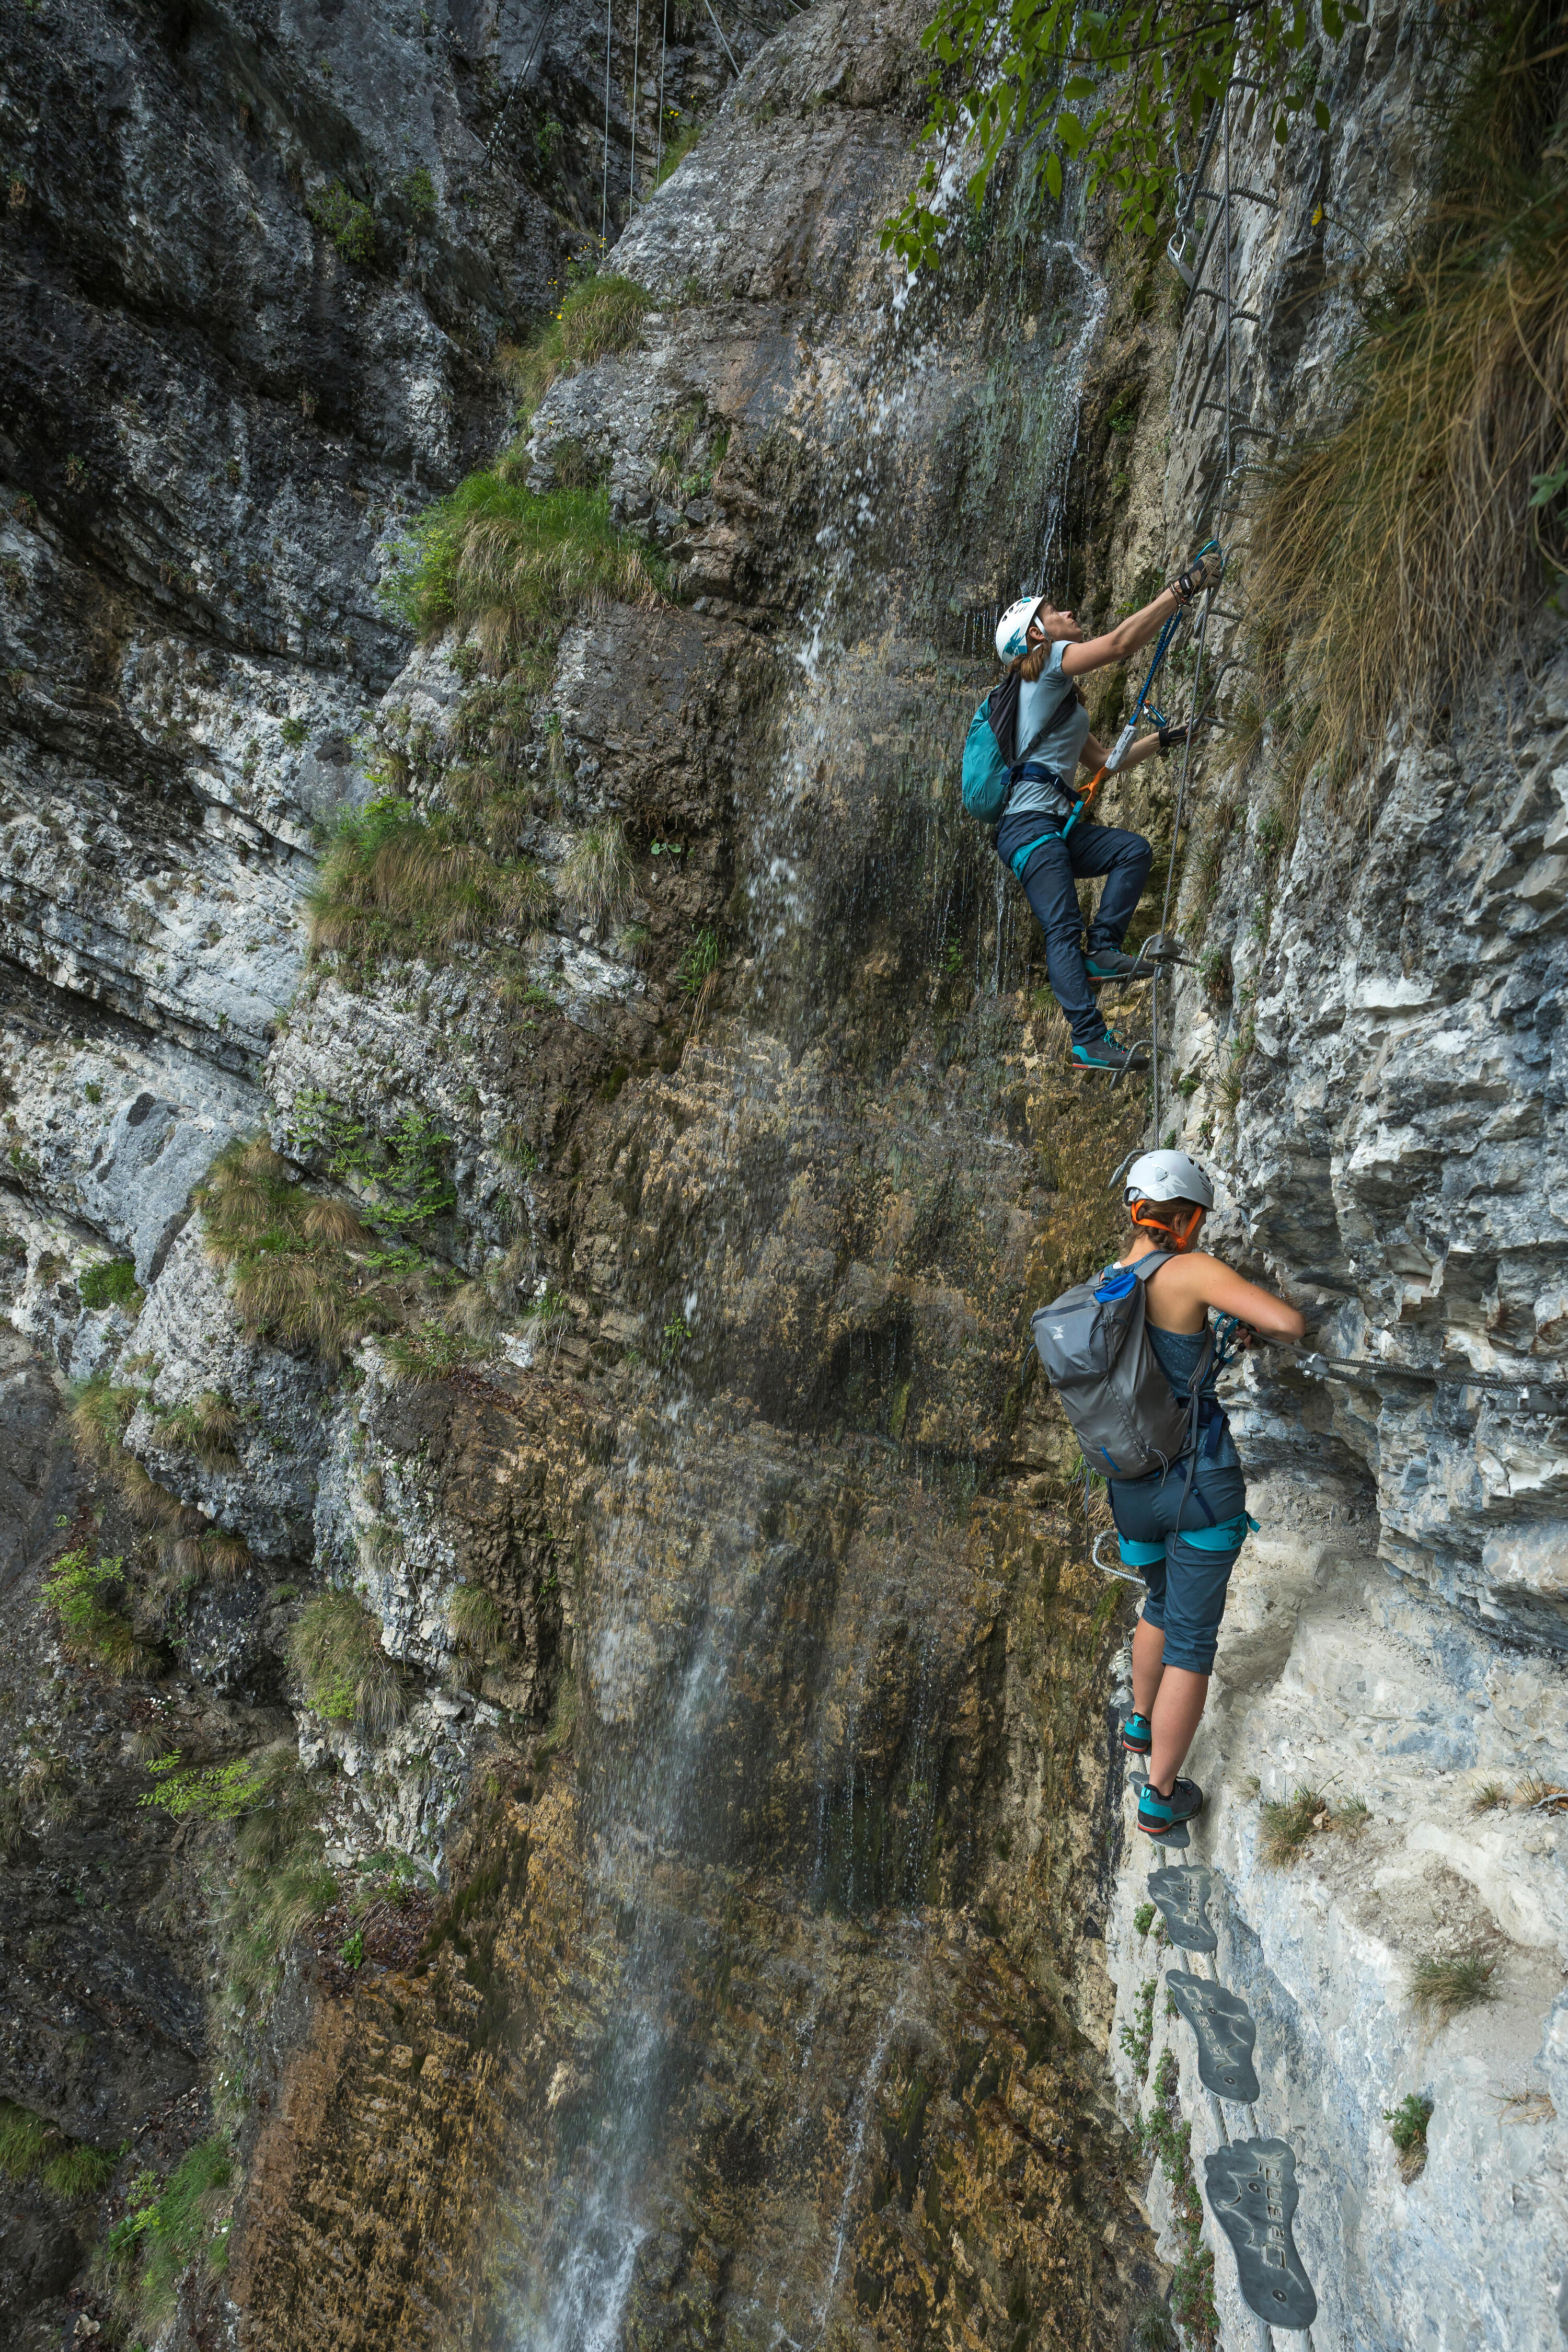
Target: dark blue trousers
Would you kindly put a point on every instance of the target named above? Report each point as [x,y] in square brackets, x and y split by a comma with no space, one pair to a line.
[1050,885]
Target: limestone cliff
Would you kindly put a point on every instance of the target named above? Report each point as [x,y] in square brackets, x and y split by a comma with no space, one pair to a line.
[552,1452]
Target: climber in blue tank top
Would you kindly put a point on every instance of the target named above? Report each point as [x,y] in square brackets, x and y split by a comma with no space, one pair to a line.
[1047,649]
[1181,1529]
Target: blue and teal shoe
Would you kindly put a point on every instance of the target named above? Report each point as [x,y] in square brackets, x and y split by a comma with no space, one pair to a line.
[1136,1734]
[1108,1052]
[1156,1814]
[1115,963]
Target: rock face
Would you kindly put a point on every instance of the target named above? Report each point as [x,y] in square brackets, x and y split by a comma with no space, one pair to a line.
[555,1458]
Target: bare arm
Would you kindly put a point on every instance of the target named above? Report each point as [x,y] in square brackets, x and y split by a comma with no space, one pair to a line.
[1095,755]
[1190,1284]
[1098,653]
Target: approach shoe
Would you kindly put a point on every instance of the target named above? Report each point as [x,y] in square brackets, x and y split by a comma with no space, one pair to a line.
[1115,963]
[1136,1734]
[1156,1814]
[1108,1052]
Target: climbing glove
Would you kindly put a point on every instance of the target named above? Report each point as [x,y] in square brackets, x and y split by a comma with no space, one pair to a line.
[1171,739]
[1205,573]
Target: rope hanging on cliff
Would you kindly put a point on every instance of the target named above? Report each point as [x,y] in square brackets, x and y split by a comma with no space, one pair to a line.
[637,45]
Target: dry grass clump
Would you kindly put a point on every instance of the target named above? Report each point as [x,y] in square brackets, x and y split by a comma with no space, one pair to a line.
[1399,548]
[391,883]
[1444,1986]
[295,1257]
[512,570]
[596,877]
[348,1676]
[1289,1822]
[597,319]
[204,1425]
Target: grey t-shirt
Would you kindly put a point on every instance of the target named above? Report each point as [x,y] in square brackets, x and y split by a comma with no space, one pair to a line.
[1059,749]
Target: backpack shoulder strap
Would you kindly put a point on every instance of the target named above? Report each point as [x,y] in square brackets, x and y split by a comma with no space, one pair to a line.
[1150,1263]
[1040,733]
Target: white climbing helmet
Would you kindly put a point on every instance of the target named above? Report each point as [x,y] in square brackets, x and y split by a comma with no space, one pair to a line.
[1166,1176]
[1012,628]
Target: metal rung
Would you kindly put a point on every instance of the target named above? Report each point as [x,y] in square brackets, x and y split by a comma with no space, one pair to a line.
[1210,295]
[1258,432]
[1248,195]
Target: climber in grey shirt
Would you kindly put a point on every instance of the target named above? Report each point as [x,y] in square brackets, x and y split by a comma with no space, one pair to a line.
[1048,651]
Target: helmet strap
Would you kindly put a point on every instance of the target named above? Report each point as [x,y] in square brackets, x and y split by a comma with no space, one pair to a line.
[1179,1237]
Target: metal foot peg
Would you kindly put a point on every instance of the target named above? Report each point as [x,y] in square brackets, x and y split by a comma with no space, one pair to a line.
[1252,2196]
[1226,2035]
[1182,1896]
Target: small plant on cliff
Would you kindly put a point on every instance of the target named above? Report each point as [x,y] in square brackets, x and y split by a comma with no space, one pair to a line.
[596,319]
[1407,2129]
[1442,1986]
[348,1676]
[301,1264]
[596,877]
[218,1793]
[477,1629]
[699,962]
[432,1351]
[393,882]
[34,2149]
[166,2229]
[203,1425]
[110,1283]
[82,1592]
[1167,2137]
[513,569]
[1138,2037]
[418,190]
[350,224]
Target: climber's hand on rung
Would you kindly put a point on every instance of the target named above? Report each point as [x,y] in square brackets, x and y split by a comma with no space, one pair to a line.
[1205,573]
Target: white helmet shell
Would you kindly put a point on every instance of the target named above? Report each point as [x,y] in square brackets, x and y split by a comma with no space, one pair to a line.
[1168,1176]
[1012,628]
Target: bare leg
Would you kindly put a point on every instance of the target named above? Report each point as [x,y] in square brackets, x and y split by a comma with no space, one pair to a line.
[1174,1718]
[1148,1651]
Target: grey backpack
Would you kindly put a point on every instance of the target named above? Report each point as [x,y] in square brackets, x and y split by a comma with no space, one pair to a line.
[1113,1388]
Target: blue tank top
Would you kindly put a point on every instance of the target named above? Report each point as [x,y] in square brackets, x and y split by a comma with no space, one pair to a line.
[1179,1354]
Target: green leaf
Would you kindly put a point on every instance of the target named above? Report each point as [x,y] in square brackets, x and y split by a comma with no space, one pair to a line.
[1081,86]
[1054,176]
[1320,114]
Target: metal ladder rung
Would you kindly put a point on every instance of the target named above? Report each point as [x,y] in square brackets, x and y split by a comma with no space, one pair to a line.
[1247,195]
[1258,432]
[1210,294]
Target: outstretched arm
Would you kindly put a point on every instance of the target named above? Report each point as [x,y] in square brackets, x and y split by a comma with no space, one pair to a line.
[1214,1284]
[1127,636]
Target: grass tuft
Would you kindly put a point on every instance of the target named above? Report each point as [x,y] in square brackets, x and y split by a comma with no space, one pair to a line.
[166,2229]
[1407,2129]
[83,1593]
[596,320]
[291,1255]
[33,2150]
[393,882]
[1399,546]
[1488,1797]
[596,877]
[513,569]
[203,1425]
[347,1674]
[1289,1821]
[1444,1987]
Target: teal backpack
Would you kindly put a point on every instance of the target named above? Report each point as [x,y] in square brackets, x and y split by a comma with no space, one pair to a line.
[989,757]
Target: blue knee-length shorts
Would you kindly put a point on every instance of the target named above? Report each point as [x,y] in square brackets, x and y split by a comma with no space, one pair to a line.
[1186,1556]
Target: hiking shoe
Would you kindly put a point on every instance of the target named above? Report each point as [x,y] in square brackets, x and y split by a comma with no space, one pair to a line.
[1156,1814]
[1108,1053]
[1136,1734]
[1114,963]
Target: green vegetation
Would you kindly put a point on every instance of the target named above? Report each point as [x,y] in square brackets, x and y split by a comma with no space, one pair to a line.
[678,146]
[1397,548]
[1289,1821]
[513,569]
[1407,2129]
[166,2229]
[597,319]
[418,190]
[1149,2328]
[187,1544]
[1143,1919]
[432,1351]
[405,1169]
[477,1626]
[699,962]
[32,2150]
[218,1793]
[349,224]
[1056,83]
[1488,1797]
[395,883]
[673,1339]
[293,731]
[1138,2038]
[203,1425]
[1215,975]
[1442,1988]
[348,1676]
[92,1632]
[1165,2136]
[596,877]
[304,1269]
[111,1282]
